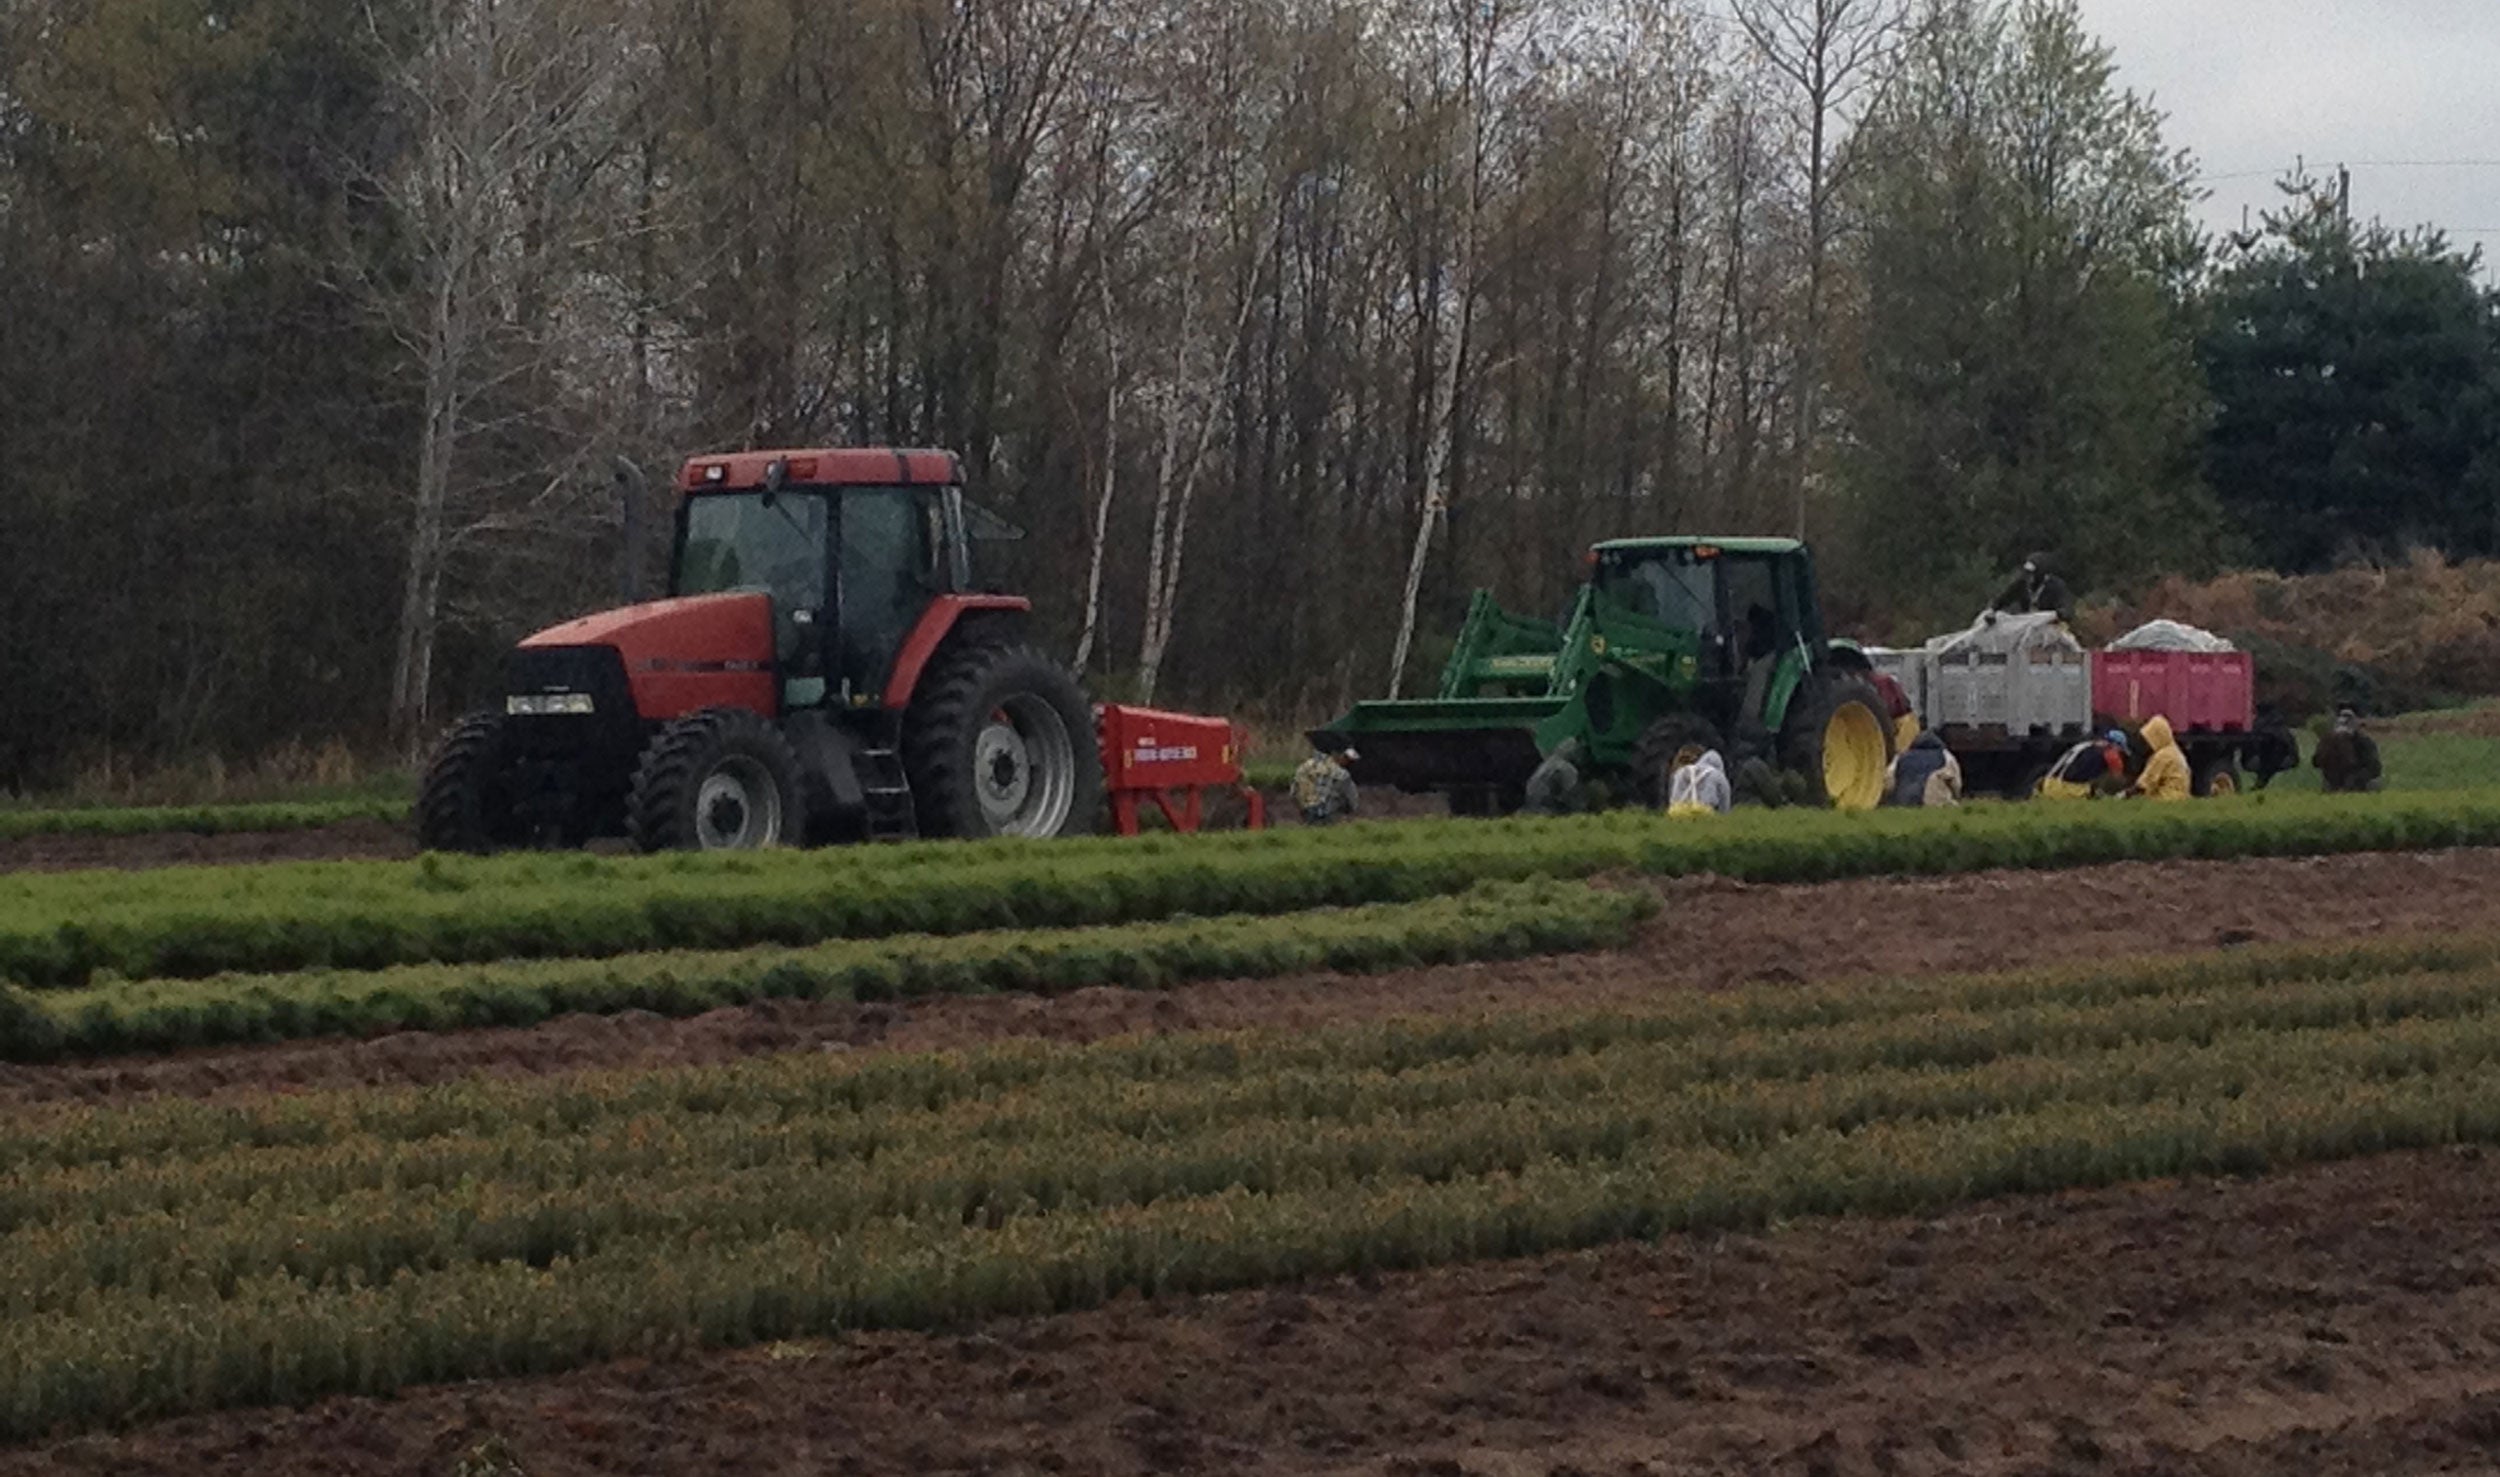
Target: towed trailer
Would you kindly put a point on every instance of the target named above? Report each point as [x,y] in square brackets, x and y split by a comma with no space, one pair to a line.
[2013,692]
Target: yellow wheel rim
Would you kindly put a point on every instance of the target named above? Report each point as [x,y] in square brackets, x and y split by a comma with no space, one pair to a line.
[1854,757]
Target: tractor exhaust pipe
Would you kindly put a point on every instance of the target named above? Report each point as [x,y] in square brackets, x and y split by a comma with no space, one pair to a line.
[633,490]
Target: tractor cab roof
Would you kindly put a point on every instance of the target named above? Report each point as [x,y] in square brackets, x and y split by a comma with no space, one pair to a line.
[849,466]
[1757,546]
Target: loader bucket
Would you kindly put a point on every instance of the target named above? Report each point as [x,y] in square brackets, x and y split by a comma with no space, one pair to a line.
[1443,744]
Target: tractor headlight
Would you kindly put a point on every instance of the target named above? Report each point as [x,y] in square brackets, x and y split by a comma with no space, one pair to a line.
[545,704]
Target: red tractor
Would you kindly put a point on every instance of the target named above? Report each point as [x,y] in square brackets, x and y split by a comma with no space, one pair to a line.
[823,670]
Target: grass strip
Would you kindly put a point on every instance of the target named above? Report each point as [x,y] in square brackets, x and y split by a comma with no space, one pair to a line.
[68,930]
[198,820]
[1488,921]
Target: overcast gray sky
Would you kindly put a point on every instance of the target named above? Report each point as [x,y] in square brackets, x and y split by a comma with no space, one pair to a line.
[2404,91]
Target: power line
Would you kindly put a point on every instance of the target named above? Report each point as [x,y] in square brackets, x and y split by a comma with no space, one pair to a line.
[2279,171]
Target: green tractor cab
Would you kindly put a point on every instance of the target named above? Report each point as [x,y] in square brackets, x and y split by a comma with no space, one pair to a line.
[1672,641]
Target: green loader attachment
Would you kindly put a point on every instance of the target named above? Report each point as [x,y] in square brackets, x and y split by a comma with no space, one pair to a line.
[1716,642]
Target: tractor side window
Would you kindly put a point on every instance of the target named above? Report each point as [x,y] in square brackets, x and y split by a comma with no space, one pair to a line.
[735,542]
[886,577]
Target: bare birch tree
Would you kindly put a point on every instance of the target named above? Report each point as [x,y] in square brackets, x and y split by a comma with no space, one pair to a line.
[1836,55]
[513,110]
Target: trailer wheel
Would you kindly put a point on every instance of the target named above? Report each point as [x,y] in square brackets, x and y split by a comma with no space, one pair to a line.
[466,802]
[723,779]
[1000,742]
[2216,778]
[1840,742]
[1653,755]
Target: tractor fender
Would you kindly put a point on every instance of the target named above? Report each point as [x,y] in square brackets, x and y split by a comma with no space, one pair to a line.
[1786,679]
[929,634]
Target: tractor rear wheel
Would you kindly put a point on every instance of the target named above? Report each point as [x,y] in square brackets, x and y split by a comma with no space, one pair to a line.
[1653,755]
[719,780]
[1837,737]
[466,802]
[2216,778]
[999,741]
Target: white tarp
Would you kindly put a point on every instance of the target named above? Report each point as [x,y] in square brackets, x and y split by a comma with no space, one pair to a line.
[2170,636]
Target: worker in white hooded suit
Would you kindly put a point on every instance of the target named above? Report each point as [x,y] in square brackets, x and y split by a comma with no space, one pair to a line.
[1701,787]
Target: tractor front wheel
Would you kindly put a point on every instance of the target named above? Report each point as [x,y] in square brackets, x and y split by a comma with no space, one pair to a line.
[466,802]
[719,780]
[999,741]
[1838,738]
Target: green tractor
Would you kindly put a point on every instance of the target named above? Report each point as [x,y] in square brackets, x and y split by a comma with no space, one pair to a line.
[1673,641]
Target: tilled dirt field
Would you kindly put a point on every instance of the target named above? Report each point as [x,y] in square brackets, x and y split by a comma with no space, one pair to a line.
[2342,1320]
[1711,935]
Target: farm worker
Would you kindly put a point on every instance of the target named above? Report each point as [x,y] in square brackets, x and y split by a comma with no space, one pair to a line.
[1324,788]
[1925,774]
[2348,758]
[2165,775]
[2034,588]
[1700,787]
[1554,788]
[2095,766]
[1897,708]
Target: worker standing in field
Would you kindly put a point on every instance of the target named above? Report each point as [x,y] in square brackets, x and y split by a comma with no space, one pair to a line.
[1926,775]
[1699,784]
[2347,759]
[2035,589]
[1555,787]
[2165,774]
[2097,766]
[1323,788]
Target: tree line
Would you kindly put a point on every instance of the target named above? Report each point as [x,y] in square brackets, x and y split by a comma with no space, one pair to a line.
[342,343]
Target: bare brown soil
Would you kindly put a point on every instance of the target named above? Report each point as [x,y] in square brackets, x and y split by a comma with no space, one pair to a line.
[348,840]
[2342,1320]
[1711,935]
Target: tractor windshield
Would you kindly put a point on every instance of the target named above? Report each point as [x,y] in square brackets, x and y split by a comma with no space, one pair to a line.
[1674,589]
[745,541]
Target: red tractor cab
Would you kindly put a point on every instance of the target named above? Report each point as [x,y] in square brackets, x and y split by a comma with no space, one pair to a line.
[823,670]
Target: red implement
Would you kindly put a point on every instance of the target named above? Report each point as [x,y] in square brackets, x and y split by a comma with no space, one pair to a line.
[1170,761]
[2198,691]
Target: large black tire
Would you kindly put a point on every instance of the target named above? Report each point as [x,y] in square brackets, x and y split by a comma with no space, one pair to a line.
[1653,754]
[466,802]
[1838,739]
[999,741]
[723,779]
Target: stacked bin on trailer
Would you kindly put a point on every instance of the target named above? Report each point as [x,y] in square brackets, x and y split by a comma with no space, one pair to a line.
[2013,692]
[2209,697]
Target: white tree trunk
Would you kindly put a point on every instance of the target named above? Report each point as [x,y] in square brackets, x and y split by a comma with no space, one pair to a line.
[1110,474]
[1442,429]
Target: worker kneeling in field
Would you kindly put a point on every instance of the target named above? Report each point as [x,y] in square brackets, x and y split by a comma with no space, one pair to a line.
[2348,758]
[1698,784]
[1925,774]
[2097,766]
[2165,774]
[1555,786]
[1324,789]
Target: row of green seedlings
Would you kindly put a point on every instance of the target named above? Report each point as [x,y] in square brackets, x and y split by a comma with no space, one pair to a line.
[198,820]
[64,931]
[1486,922]
[182,1256]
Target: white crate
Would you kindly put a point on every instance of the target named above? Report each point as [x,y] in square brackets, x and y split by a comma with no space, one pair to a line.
[2023,674]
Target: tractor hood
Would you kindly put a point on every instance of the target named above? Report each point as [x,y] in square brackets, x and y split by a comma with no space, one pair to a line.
[682,655]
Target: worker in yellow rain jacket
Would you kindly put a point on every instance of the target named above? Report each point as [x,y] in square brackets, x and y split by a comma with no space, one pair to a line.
[2165,775]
